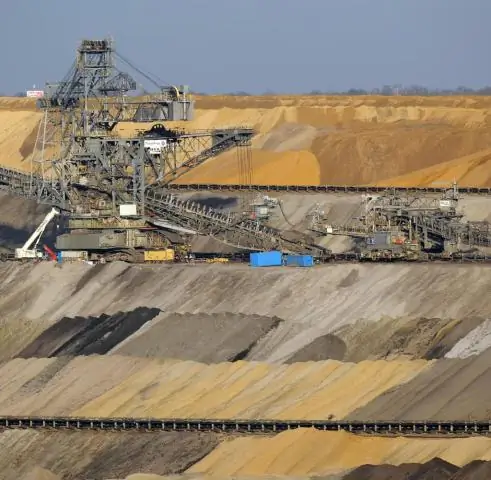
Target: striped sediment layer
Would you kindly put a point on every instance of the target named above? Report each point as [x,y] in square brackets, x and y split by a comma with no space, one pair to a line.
[122,386]
[104,455]
[301,456]
[347,301]
[119,386]
[214,338]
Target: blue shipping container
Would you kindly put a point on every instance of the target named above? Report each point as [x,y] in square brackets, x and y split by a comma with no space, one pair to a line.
[266,259]
[299,260]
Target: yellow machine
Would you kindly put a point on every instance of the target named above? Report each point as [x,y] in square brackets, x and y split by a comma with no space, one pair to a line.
[167,255]
[217,260]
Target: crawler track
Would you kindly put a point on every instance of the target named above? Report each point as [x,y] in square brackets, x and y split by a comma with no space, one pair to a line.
[407,428]
[483,191]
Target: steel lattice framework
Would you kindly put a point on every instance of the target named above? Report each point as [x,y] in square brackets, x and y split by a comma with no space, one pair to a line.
[435,221]
[86,167]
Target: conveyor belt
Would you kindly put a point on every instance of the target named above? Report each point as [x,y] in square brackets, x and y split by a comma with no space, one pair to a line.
[427,427]
[484,191]
[340,258]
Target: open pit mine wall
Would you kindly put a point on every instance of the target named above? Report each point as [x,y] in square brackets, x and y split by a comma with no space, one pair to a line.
[106,327]
[100,334]
[306,141]
[320,140]
[333,297]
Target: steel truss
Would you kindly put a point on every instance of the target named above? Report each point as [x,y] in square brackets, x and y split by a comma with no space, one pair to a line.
[230,229]
[94,171]
[434,221]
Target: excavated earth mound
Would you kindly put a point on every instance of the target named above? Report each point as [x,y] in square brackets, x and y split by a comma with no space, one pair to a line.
[452,389]
[314,452]
[150,333]
[86,336]
[200,337]
[319,140]
[432,312]
[427,338]
[115,386]
[99,455]
[435,469]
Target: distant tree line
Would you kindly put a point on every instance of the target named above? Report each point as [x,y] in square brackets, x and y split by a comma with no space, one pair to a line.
[387,90]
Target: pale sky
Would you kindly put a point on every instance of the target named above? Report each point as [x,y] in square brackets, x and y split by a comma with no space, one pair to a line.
[257,45]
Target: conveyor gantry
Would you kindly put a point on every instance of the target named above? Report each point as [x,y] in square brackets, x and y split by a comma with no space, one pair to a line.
[238,232]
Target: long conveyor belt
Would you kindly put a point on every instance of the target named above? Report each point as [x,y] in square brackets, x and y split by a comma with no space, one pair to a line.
[215,187]
[396,428]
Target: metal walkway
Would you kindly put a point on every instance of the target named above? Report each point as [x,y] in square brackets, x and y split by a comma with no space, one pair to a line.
[394,428]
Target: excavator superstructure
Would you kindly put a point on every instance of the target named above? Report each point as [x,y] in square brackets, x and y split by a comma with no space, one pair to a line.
[105,157]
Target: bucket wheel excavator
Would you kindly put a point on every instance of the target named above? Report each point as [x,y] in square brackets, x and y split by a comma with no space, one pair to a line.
[104,158]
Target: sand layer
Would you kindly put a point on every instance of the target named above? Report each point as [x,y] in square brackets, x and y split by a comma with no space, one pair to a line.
[362,155]
[320,140]
[114,386]
[343,140]
[311,452]
[434,469]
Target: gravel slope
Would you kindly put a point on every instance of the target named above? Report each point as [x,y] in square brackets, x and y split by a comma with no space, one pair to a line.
[311,302]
